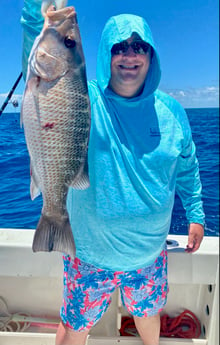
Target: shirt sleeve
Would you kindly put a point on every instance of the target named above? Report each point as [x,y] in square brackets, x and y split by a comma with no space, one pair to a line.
[188,183]
[32,23]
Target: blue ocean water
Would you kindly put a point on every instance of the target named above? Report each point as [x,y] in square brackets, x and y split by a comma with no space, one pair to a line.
[17,210]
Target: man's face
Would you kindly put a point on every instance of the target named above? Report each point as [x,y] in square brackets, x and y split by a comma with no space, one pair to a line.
[129,69]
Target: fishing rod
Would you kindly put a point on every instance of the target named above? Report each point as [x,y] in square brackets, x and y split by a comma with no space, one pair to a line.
[10,94]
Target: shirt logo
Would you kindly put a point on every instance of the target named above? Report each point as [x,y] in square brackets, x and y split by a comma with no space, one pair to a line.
[155,132]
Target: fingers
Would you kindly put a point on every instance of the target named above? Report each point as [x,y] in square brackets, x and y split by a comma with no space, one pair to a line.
[196,233]
[192,246]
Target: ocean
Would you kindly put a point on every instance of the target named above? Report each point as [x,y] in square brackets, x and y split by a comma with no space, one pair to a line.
[18,211]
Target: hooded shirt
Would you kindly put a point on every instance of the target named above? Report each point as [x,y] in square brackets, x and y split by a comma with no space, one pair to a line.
[140,153]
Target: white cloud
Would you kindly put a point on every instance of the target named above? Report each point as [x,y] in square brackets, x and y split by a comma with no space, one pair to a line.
[211,88]
[196,97]
[182,93]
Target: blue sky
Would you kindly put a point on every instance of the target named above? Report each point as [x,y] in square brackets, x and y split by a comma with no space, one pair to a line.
[185,33]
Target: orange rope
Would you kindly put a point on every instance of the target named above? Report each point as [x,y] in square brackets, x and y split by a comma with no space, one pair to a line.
[185,325]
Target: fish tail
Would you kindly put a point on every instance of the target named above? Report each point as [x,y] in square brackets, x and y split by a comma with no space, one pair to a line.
[54,235]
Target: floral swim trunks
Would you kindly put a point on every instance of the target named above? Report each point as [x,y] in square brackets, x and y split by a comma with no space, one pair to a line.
[88,290]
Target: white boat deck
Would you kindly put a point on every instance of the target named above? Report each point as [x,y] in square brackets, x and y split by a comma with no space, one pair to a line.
[32,283]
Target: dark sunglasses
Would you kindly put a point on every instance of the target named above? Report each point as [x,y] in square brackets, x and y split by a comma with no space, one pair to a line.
[139,47]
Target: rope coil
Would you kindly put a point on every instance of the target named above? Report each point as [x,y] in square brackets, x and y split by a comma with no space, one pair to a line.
[20,322]
[185,325]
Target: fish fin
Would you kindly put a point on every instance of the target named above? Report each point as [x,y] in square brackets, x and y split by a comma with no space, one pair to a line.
[34,189]
[53,234]
[81,181]
[47,3]
[60,4]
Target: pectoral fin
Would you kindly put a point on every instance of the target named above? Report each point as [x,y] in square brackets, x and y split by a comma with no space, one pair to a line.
[34,188]
[81,181]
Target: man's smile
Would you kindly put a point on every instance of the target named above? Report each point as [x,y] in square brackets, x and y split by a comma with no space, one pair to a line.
[128,67]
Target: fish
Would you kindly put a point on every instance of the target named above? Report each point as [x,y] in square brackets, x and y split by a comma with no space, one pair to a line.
[55,114]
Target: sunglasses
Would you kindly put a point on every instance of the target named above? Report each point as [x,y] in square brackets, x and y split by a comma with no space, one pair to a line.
[139,47]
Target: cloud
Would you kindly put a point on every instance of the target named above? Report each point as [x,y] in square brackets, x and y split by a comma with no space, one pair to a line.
[196,97]
[182,93]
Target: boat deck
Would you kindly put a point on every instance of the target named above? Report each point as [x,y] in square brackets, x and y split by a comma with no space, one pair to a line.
[32,283]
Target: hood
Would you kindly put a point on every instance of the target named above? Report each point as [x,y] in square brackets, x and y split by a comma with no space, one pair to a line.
[119,28]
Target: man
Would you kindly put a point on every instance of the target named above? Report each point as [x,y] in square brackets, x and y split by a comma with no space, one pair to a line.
[140,153]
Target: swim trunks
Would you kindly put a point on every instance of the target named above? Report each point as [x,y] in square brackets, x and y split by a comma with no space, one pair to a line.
[88,290]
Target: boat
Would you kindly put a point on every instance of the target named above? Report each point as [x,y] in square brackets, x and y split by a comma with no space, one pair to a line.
[31,290]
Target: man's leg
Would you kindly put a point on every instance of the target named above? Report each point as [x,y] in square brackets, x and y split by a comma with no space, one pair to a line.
[66,336]
[86,296]
[144,295]
[148,329]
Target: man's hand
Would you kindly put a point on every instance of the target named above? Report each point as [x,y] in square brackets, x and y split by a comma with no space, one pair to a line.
[196,233]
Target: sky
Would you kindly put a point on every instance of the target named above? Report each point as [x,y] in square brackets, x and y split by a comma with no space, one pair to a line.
[186,34]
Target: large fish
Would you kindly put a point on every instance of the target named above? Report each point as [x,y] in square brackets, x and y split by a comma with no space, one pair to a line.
[56,118]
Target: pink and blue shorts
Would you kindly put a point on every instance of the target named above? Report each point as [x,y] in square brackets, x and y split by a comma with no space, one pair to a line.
[88,290]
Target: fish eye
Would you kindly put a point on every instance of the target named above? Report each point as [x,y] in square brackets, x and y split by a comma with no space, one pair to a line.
[69,42]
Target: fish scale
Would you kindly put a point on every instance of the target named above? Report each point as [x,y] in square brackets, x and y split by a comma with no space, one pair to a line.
[56,118]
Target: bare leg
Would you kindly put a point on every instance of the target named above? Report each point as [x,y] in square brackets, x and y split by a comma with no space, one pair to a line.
[65,336]
[148,329]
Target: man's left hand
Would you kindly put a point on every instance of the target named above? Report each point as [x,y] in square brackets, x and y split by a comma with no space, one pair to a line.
[196,233]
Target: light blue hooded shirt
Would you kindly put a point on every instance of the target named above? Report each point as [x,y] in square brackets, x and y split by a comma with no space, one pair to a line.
[140,153]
